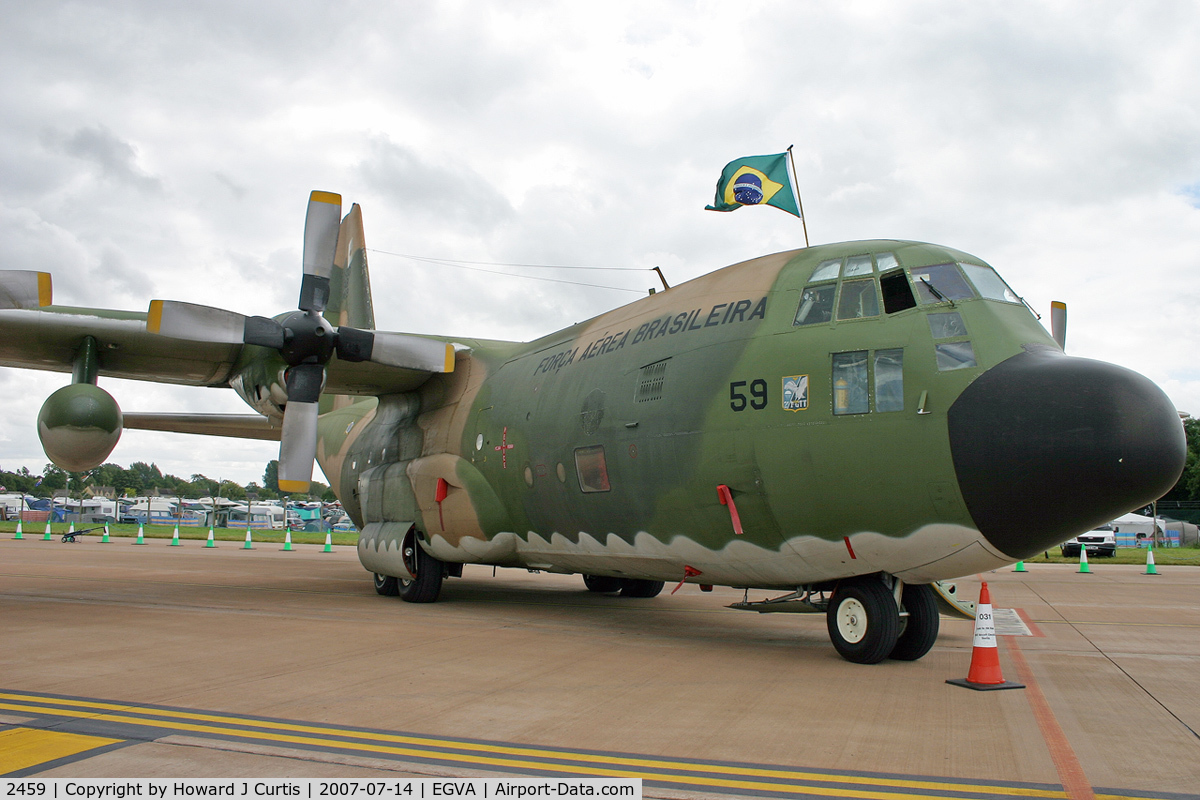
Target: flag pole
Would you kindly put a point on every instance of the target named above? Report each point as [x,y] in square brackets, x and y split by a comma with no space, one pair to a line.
[796,186]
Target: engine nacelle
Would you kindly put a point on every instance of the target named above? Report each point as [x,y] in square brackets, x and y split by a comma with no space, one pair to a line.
[79,426]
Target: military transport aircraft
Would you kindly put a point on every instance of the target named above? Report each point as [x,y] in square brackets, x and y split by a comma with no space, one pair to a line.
[844,423]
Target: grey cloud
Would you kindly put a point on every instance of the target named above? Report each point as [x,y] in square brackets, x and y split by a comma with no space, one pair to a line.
[116,158]
[433,191]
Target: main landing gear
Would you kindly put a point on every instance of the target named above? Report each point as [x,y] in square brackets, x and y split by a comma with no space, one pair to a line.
[628,587]
[866,625]
[424,580]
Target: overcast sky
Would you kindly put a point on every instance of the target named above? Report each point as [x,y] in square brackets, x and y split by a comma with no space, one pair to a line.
[167,150]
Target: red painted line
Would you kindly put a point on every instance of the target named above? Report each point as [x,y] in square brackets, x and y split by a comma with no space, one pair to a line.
[846,539]
[1070,773]
[1033,626]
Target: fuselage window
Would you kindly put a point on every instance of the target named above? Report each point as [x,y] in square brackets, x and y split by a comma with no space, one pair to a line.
[850,383]
[889,380]
[897,296]
[954,355]
[940,283]
[947,326]
[858,300]
[990,285]
[816,305]
[591,468]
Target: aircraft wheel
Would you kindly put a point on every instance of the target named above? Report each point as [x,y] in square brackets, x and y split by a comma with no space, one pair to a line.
[863,621]
[920,627]
[602,583]
[425,581]
[386,585]
[637,587]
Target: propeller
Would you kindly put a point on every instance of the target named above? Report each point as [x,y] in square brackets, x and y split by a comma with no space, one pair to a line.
[305,340]
[1058,322]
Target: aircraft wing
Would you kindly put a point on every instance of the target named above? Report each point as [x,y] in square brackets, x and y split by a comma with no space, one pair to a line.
[48,338]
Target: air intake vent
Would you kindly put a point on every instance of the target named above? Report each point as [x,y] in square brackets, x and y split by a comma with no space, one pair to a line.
[650,381]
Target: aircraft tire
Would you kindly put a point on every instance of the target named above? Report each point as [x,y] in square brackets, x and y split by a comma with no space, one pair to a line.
[602,584]
[921,625]
[863,621]
[638,587]
[386,585]
[426,581]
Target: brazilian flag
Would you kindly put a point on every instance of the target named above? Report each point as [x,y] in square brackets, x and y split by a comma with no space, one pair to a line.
[756,181]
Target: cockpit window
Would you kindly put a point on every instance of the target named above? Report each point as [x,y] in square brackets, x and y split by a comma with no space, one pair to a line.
[857,265]
[816,305]
[989,284]
[858,300]
[826,270]
[940,283]
[885,261]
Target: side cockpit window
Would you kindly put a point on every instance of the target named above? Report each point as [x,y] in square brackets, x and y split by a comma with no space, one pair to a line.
[816,305]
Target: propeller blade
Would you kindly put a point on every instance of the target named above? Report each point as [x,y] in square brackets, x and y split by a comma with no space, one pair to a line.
[1058,323]
[298,438]
[395,350]
[194,322]
[198,323]
[22,288]
[321,226]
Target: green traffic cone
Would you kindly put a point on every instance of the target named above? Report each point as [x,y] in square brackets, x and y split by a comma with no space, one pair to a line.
[175,537]
[141,539]
[47,536]
[210,542]
[1083,562]
[1020,567]
[249,545]
[328,542]
[19,535]
[287,539]
[104,539]
[1150,568]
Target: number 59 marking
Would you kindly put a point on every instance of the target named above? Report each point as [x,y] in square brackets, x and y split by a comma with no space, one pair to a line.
[758,395]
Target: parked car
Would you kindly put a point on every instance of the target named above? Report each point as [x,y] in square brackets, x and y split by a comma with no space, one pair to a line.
[1100,542]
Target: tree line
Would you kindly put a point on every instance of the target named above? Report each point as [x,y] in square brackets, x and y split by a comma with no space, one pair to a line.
[142,478]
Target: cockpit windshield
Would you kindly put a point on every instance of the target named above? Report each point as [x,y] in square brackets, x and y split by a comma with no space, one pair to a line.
[989,285]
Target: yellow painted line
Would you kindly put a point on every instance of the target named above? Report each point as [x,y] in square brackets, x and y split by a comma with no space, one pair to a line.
[21,748]
[516,752]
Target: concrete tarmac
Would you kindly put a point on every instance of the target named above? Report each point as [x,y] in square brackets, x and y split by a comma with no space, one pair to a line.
[159,661]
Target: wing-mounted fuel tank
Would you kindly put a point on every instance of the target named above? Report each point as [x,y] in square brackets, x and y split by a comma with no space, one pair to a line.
[79,425]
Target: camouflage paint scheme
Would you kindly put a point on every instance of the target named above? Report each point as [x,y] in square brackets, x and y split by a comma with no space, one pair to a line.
[683,391]
[804,482]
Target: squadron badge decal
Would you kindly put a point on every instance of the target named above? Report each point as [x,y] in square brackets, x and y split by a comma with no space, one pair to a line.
[795,392]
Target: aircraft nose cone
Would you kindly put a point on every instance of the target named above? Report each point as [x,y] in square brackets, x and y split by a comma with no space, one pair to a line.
[1047,446]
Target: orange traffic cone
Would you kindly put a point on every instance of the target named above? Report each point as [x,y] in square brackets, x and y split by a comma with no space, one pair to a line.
[984,673]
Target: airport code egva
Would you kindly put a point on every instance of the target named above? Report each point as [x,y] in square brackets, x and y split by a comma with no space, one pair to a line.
[416,789]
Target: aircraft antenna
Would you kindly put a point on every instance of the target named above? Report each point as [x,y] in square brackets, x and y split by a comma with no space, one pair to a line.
[796,188]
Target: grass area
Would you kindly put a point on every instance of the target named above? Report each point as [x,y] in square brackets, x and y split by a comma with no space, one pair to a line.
[35,530]
[1128,555]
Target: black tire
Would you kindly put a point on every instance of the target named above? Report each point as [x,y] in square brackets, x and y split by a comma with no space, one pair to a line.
[386,585]
[919,630]
[602,584]
[425,582]
[863,620]
[637,587]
